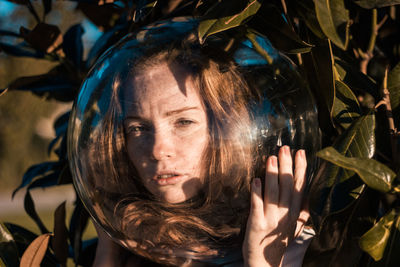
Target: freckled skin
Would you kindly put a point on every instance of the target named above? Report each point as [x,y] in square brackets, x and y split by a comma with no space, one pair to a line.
[167,132]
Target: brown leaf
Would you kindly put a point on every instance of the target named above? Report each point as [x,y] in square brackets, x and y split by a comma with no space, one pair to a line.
[35,252]
[43,37]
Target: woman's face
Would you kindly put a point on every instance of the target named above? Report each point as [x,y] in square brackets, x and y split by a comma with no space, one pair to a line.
[166,132]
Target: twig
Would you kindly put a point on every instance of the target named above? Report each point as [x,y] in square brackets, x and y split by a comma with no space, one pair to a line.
[394,134]
[393,12]
[374,32]
[375,26]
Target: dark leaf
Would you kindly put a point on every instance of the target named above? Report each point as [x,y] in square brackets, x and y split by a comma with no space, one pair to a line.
[8,247]
[88,252]
[35,171]
[44,37]
[346,108]
[32,10]
[356,79]
[22,236]
[394,90]
[46,181]
[103,16]
[47,7]
[334,20]
[61,124]
[269,21]
[20,50]
[36,251]
[60,240]
[375,240]
[144,7]
[29,207]
[319,67]
[53,143]
[334,188]
[305,10]
[336,243]
[73,46]
[56,84]
[9,33]
[65,175]
[78,223]
[217,20]
[369,4]
[376,175]
[61,151]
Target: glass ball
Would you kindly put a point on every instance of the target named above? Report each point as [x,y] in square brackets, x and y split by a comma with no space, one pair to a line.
[167,133]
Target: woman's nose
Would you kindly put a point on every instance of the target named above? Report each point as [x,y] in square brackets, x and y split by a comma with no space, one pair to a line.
[163,147]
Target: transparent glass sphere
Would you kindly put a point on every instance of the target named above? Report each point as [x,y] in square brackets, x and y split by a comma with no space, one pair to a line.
[167,134]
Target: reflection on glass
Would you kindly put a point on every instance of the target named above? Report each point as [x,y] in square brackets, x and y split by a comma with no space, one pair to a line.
[166,135]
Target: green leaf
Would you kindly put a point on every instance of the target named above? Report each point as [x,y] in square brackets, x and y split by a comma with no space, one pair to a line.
[216,21]
[334,20]
[375,240]
[394,90]
[270,21]
[369,4]
[305,10]
[376,175]
[354,78]
[8,248]
[334,188]
[359,139]
[346,107]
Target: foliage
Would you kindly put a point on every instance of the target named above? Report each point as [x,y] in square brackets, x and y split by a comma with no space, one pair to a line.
[348,50]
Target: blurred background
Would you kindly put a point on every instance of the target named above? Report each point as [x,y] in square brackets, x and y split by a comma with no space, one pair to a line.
[26,120]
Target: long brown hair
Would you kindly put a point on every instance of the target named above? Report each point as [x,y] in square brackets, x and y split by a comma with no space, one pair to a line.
[213,220]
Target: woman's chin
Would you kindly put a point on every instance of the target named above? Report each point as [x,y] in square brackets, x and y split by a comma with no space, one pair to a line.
[174,197]
[177,193]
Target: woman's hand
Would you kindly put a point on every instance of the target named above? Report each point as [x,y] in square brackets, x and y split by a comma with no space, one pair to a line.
[276,219]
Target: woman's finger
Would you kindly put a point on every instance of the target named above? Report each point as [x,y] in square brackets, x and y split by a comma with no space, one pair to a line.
[271,190]
[286,182]
[257,204]
[299,179]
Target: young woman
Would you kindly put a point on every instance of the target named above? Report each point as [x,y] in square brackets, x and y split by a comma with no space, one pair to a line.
[172,163]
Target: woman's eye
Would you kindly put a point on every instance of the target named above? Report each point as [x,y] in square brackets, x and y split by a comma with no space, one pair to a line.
[137,129]
[184,122]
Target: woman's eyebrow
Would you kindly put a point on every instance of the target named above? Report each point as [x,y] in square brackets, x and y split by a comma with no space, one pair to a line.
[176,111]
[134,118]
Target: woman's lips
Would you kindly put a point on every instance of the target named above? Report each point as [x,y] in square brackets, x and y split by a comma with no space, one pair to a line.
[168,179]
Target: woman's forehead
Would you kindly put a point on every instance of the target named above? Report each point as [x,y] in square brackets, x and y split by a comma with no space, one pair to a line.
[163,86]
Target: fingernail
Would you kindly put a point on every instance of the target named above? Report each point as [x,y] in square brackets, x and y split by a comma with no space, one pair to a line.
[273,161]
[286,149]
[303,153]
[257,182]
